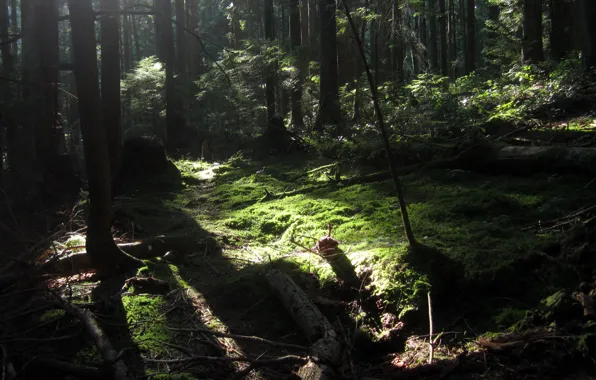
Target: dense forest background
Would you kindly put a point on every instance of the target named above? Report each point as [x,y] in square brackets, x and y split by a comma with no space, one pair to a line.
[167,168]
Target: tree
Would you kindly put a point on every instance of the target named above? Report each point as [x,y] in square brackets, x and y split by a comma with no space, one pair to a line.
[470,41]
[329,108]
[269,69]
[532,50]
[180,41]
[397,45]
[443,37]
[432,42]
[561,24]
[5,37]
[110,81]
[295,39]
[589,47]
[105,255]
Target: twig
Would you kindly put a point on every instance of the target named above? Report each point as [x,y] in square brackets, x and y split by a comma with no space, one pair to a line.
[241,337]
[279,360]
[430,330]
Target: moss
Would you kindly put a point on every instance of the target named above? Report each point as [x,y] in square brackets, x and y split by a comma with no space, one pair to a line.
[143,308]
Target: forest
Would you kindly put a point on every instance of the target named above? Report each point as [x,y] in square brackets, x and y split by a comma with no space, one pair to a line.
[298,189]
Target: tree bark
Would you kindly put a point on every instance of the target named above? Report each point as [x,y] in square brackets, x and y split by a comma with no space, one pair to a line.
[269,69]
[110,81]
[532,50]
[329,108]
[326,347]
[14,29]
[561,16]
[7,59]
[471,36]
[105,255]
[295,38]
[443,38]
[589,41]
[397,45]
[313,30]
[432,42]
[195,48]
[180,41]
[452,39]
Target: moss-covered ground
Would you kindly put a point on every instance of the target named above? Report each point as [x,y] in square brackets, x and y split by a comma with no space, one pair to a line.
[484,236]
[485,259]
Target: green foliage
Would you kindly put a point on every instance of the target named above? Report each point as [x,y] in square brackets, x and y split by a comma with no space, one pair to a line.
[143,88]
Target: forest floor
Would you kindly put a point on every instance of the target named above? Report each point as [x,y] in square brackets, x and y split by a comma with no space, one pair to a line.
[503,258]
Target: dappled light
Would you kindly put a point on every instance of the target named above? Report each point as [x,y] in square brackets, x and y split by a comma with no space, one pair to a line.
[301,189]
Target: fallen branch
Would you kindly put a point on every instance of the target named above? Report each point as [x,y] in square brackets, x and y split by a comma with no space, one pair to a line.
[66,368]
[288,359]
[325,352]
[240,337]
[112,359]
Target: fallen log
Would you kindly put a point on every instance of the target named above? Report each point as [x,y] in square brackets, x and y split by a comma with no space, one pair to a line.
[326,349]
[112,360]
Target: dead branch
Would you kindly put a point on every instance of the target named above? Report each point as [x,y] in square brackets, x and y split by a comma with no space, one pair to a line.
[241,337]
[288,359]
[110,356]
[80,371]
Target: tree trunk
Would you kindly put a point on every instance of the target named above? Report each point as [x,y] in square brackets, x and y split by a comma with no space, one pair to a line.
[14,29]
[452,39]
[313,30]
[589,43]
[135,39]
[432,42]
[125,43]
[295,38]
[532,51]
[110,81]
[463,32]
[471,36]
[105,255]
[180,41]
[329,109]
[195,48]
[397,45]
[561,16]
[423,36]
[269,70]
[162,41]
[304,34]
[443,37]
[7,60]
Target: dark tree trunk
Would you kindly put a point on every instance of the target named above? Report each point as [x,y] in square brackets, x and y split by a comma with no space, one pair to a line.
[397,45]
[432,42]
[471,36]
[135,38]
[424,36]
[329,108]
[14,29]
[180,41]
[110,81]
[44,79]
[532,50]
[452,38]
[589,45]
[7,59]
[195,49]
[125,43]
[269,70]
[443,37]
[161,19]
[175,122]
[304,33]
[561,16]
[313,30]
[295,38]
[105,255]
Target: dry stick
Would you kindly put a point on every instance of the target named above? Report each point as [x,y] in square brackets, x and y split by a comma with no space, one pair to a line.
[430,332]
[109,355]
[392,167]
[241,337]
[279,360]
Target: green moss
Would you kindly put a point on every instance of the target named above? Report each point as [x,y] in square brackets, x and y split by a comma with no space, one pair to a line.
[139,310]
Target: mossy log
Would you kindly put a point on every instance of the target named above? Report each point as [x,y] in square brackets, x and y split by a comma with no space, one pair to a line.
[325,352]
